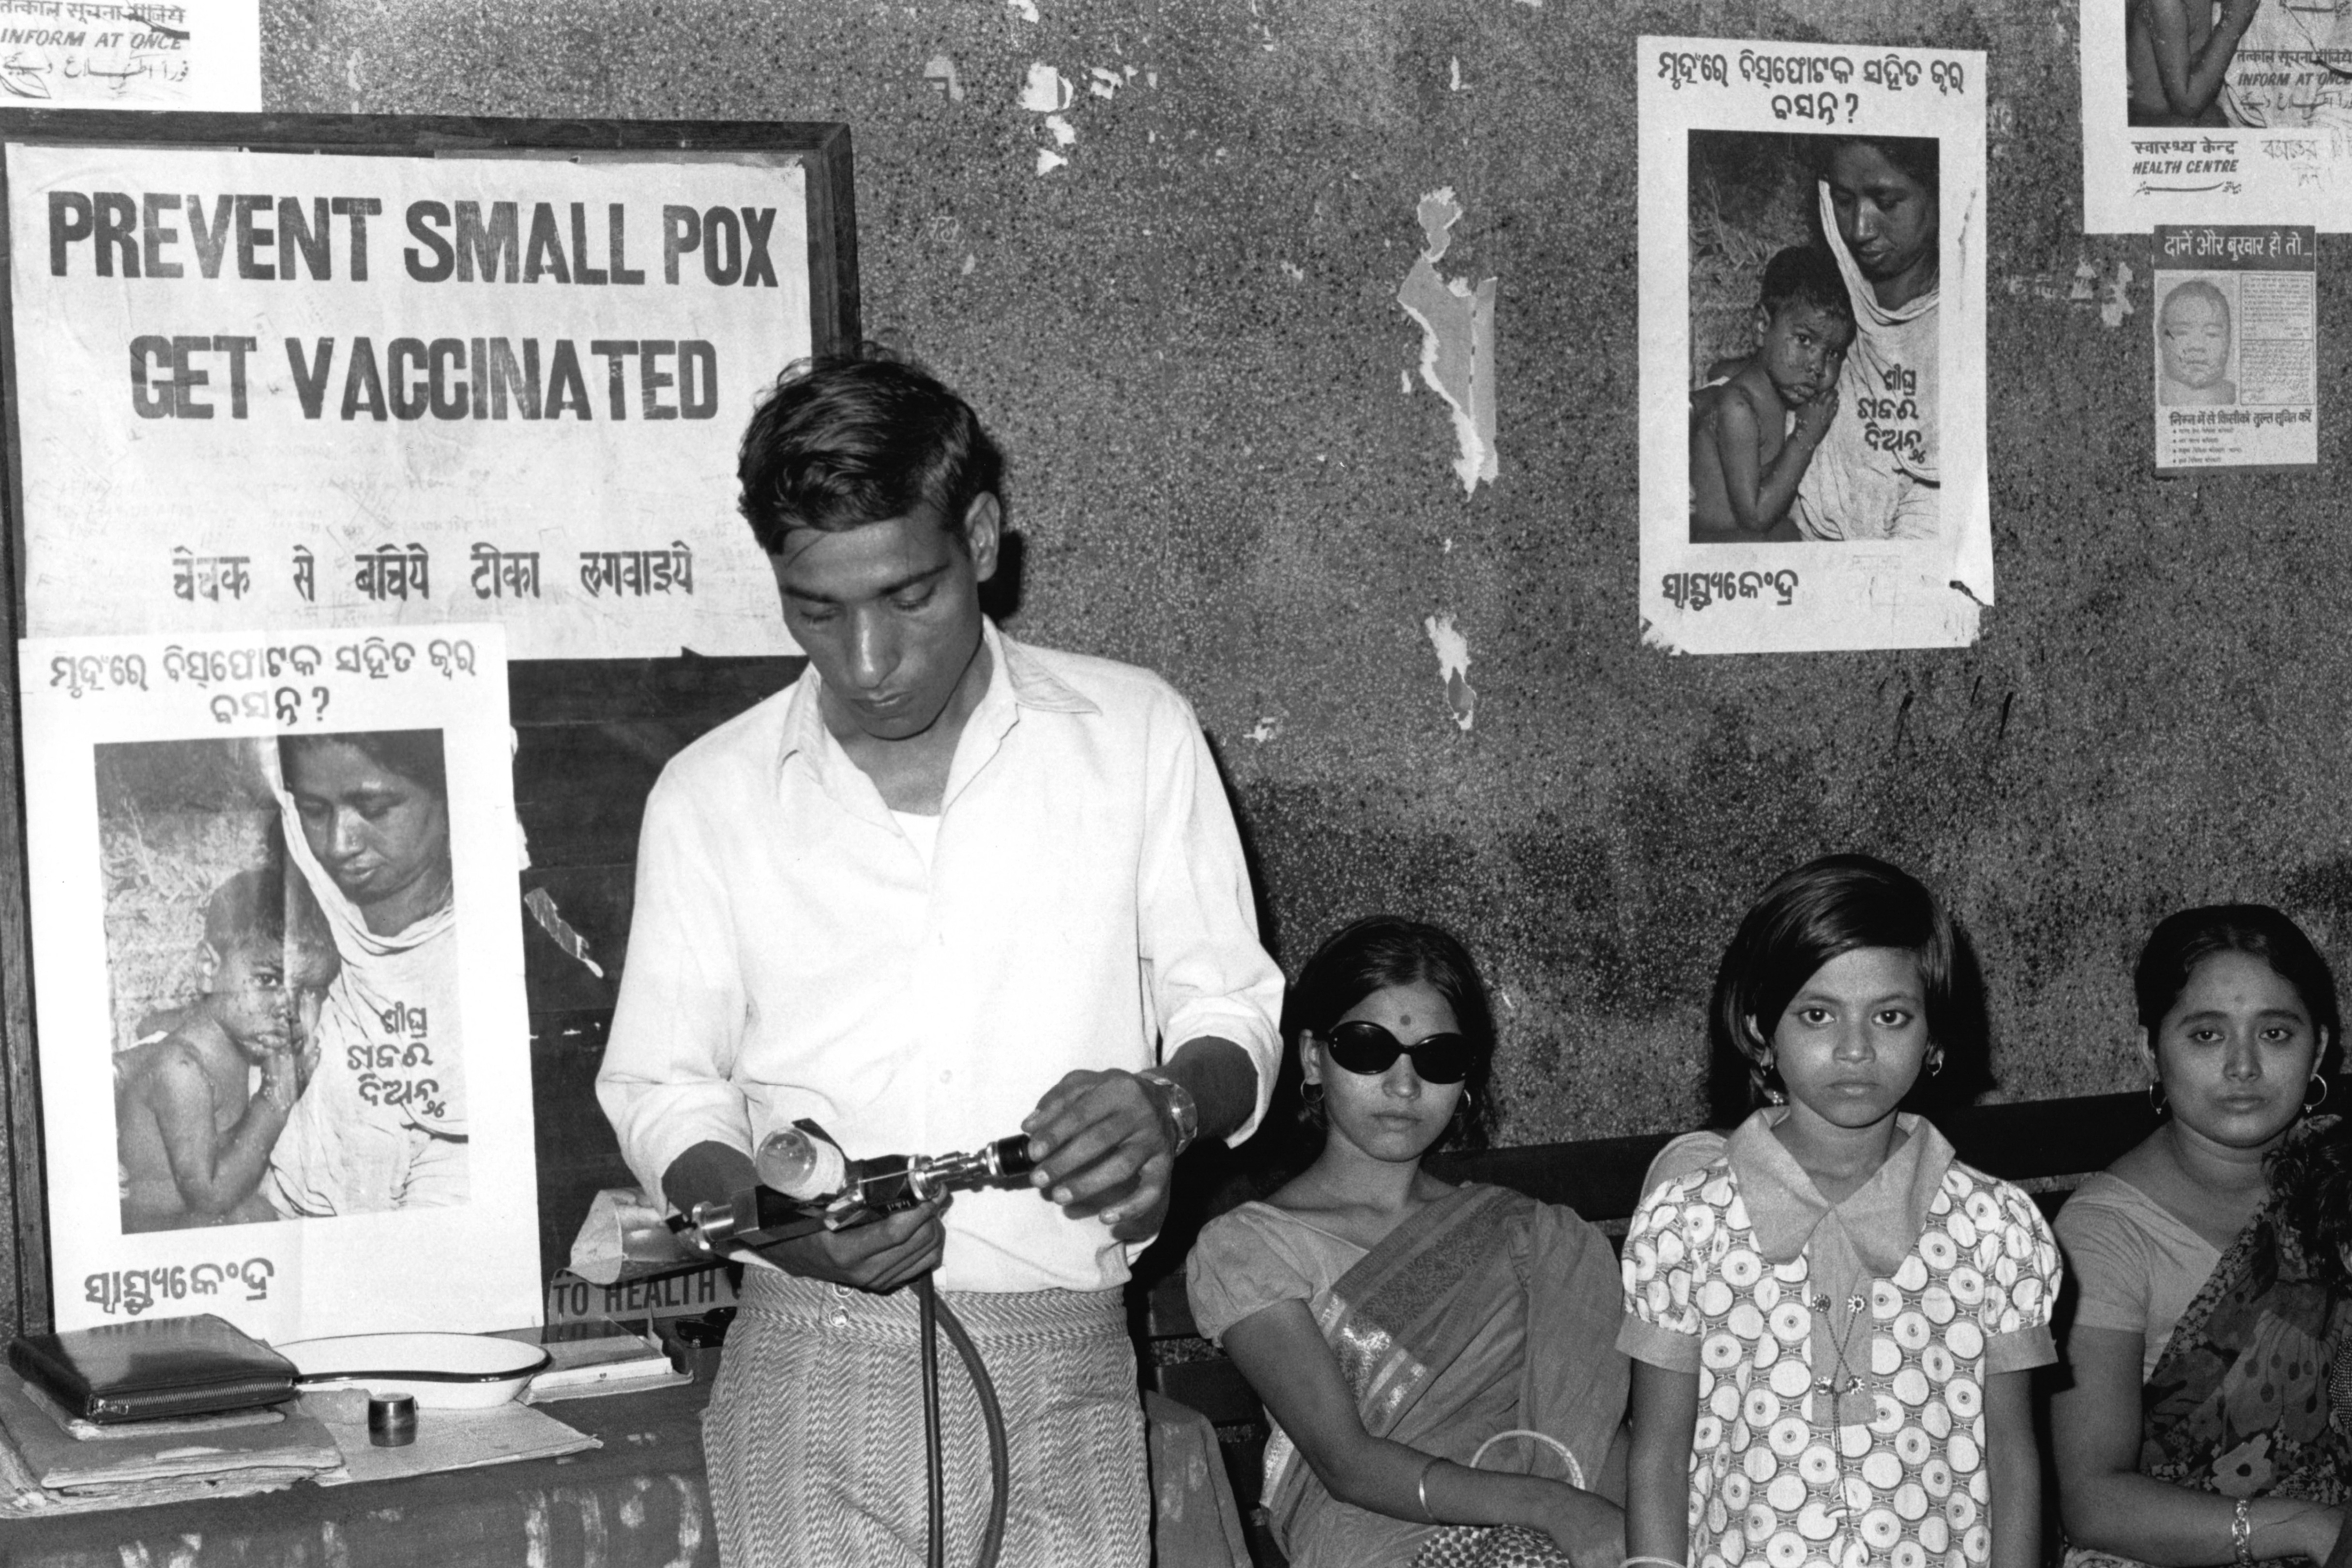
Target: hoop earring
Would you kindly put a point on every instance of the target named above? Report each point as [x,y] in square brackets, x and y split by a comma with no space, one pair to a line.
[1312,1093]
[2157,1101]
[2309,1104]
[1935,1062]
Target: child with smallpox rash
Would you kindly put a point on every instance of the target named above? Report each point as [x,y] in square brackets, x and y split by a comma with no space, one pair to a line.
[1755,424]
[197,1111]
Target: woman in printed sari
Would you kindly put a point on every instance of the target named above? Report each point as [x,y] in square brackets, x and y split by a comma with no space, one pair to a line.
[2210,1419]
[1431,1355]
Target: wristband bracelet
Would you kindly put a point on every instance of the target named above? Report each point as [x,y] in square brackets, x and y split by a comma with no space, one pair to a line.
[2241,1531]
[1183,1110]
[1421,1490]
[1655,1561]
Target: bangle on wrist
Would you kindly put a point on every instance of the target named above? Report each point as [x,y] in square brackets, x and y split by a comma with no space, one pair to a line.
[1655,1561]
[1183,1110]
[2241,1531]
[1421,1490]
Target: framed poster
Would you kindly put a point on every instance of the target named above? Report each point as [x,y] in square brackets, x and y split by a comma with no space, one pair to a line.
[277,957]
[324,374]
[1812,346]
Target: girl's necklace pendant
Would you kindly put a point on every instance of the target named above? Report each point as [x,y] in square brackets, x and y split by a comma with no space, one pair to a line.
[1855,1407]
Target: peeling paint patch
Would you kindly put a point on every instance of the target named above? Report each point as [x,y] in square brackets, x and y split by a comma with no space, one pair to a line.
[2106,284]
[1103,82]
[1048,93]
[970,261]
[1457,348]
[1453,664]
[1295,272]
[1455,64]
[1024,9]
[549,918]
[2116,303]
[1047,90]
[1266,728]
[939,70]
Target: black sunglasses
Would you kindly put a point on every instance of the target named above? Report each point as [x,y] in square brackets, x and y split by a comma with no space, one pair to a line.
[1363,1046]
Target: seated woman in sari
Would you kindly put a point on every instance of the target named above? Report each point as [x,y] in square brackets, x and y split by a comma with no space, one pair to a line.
[2216,1288]
[1396,1325]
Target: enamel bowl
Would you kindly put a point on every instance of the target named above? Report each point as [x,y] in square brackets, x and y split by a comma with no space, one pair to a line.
[443,1372]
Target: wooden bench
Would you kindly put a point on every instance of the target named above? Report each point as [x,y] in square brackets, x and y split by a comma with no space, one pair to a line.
[2043,1146]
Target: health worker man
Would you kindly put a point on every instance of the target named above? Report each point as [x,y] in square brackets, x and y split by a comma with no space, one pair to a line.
[944,887]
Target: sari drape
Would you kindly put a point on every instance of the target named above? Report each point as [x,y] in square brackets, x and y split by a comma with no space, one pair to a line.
[1485,1312]
[2241,1402]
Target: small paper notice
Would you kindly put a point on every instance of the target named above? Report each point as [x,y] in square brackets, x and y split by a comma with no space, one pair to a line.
[196,54]
[2237,348]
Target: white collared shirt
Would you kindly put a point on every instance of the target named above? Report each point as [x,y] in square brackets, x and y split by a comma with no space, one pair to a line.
[790,955]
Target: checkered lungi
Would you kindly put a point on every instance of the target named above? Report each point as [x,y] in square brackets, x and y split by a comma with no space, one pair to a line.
[814,1437]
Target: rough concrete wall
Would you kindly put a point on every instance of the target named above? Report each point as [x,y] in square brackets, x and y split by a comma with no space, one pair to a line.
[1188,339]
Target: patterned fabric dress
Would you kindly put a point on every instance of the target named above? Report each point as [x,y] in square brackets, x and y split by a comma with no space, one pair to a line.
[1841,1351]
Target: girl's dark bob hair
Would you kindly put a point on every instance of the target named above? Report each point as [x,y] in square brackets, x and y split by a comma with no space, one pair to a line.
[1380,950]
[1824,910]
[2181,942]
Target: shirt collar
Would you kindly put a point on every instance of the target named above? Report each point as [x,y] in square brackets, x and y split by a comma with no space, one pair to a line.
[1017,678]
[1881,1221]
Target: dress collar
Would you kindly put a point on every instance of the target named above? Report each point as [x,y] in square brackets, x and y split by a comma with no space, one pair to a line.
[1881,1221]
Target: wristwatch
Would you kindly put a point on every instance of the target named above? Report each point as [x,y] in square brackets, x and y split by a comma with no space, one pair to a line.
[1184,1111]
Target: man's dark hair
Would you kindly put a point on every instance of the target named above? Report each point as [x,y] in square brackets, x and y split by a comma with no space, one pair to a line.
[1805,275]
[841,441]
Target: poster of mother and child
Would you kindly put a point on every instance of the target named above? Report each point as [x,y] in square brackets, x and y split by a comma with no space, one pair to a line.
[1812,346]
[269,909]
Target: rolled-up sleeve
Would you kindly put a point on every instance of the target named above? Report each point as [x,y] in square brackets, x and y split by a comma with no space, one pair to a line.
[1205,971]
[666,1080]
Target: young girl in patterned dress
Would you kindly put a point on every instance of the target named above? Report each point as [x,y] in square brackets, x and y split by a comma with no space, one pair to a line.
[1832,1322]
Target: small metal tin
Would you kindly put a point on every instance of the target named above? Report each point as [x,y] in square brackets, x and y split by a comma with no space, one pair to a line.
[392,1420]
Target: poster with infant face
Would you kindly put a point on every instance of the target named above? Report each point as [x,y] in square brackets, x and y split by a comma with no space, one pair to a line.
[277,976]
[1813,347]
[2237,348]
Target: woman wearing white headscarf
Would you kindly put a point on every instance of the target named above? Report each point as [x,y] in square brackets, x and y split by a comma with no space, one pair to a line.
[1874,475]
[383,1123]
